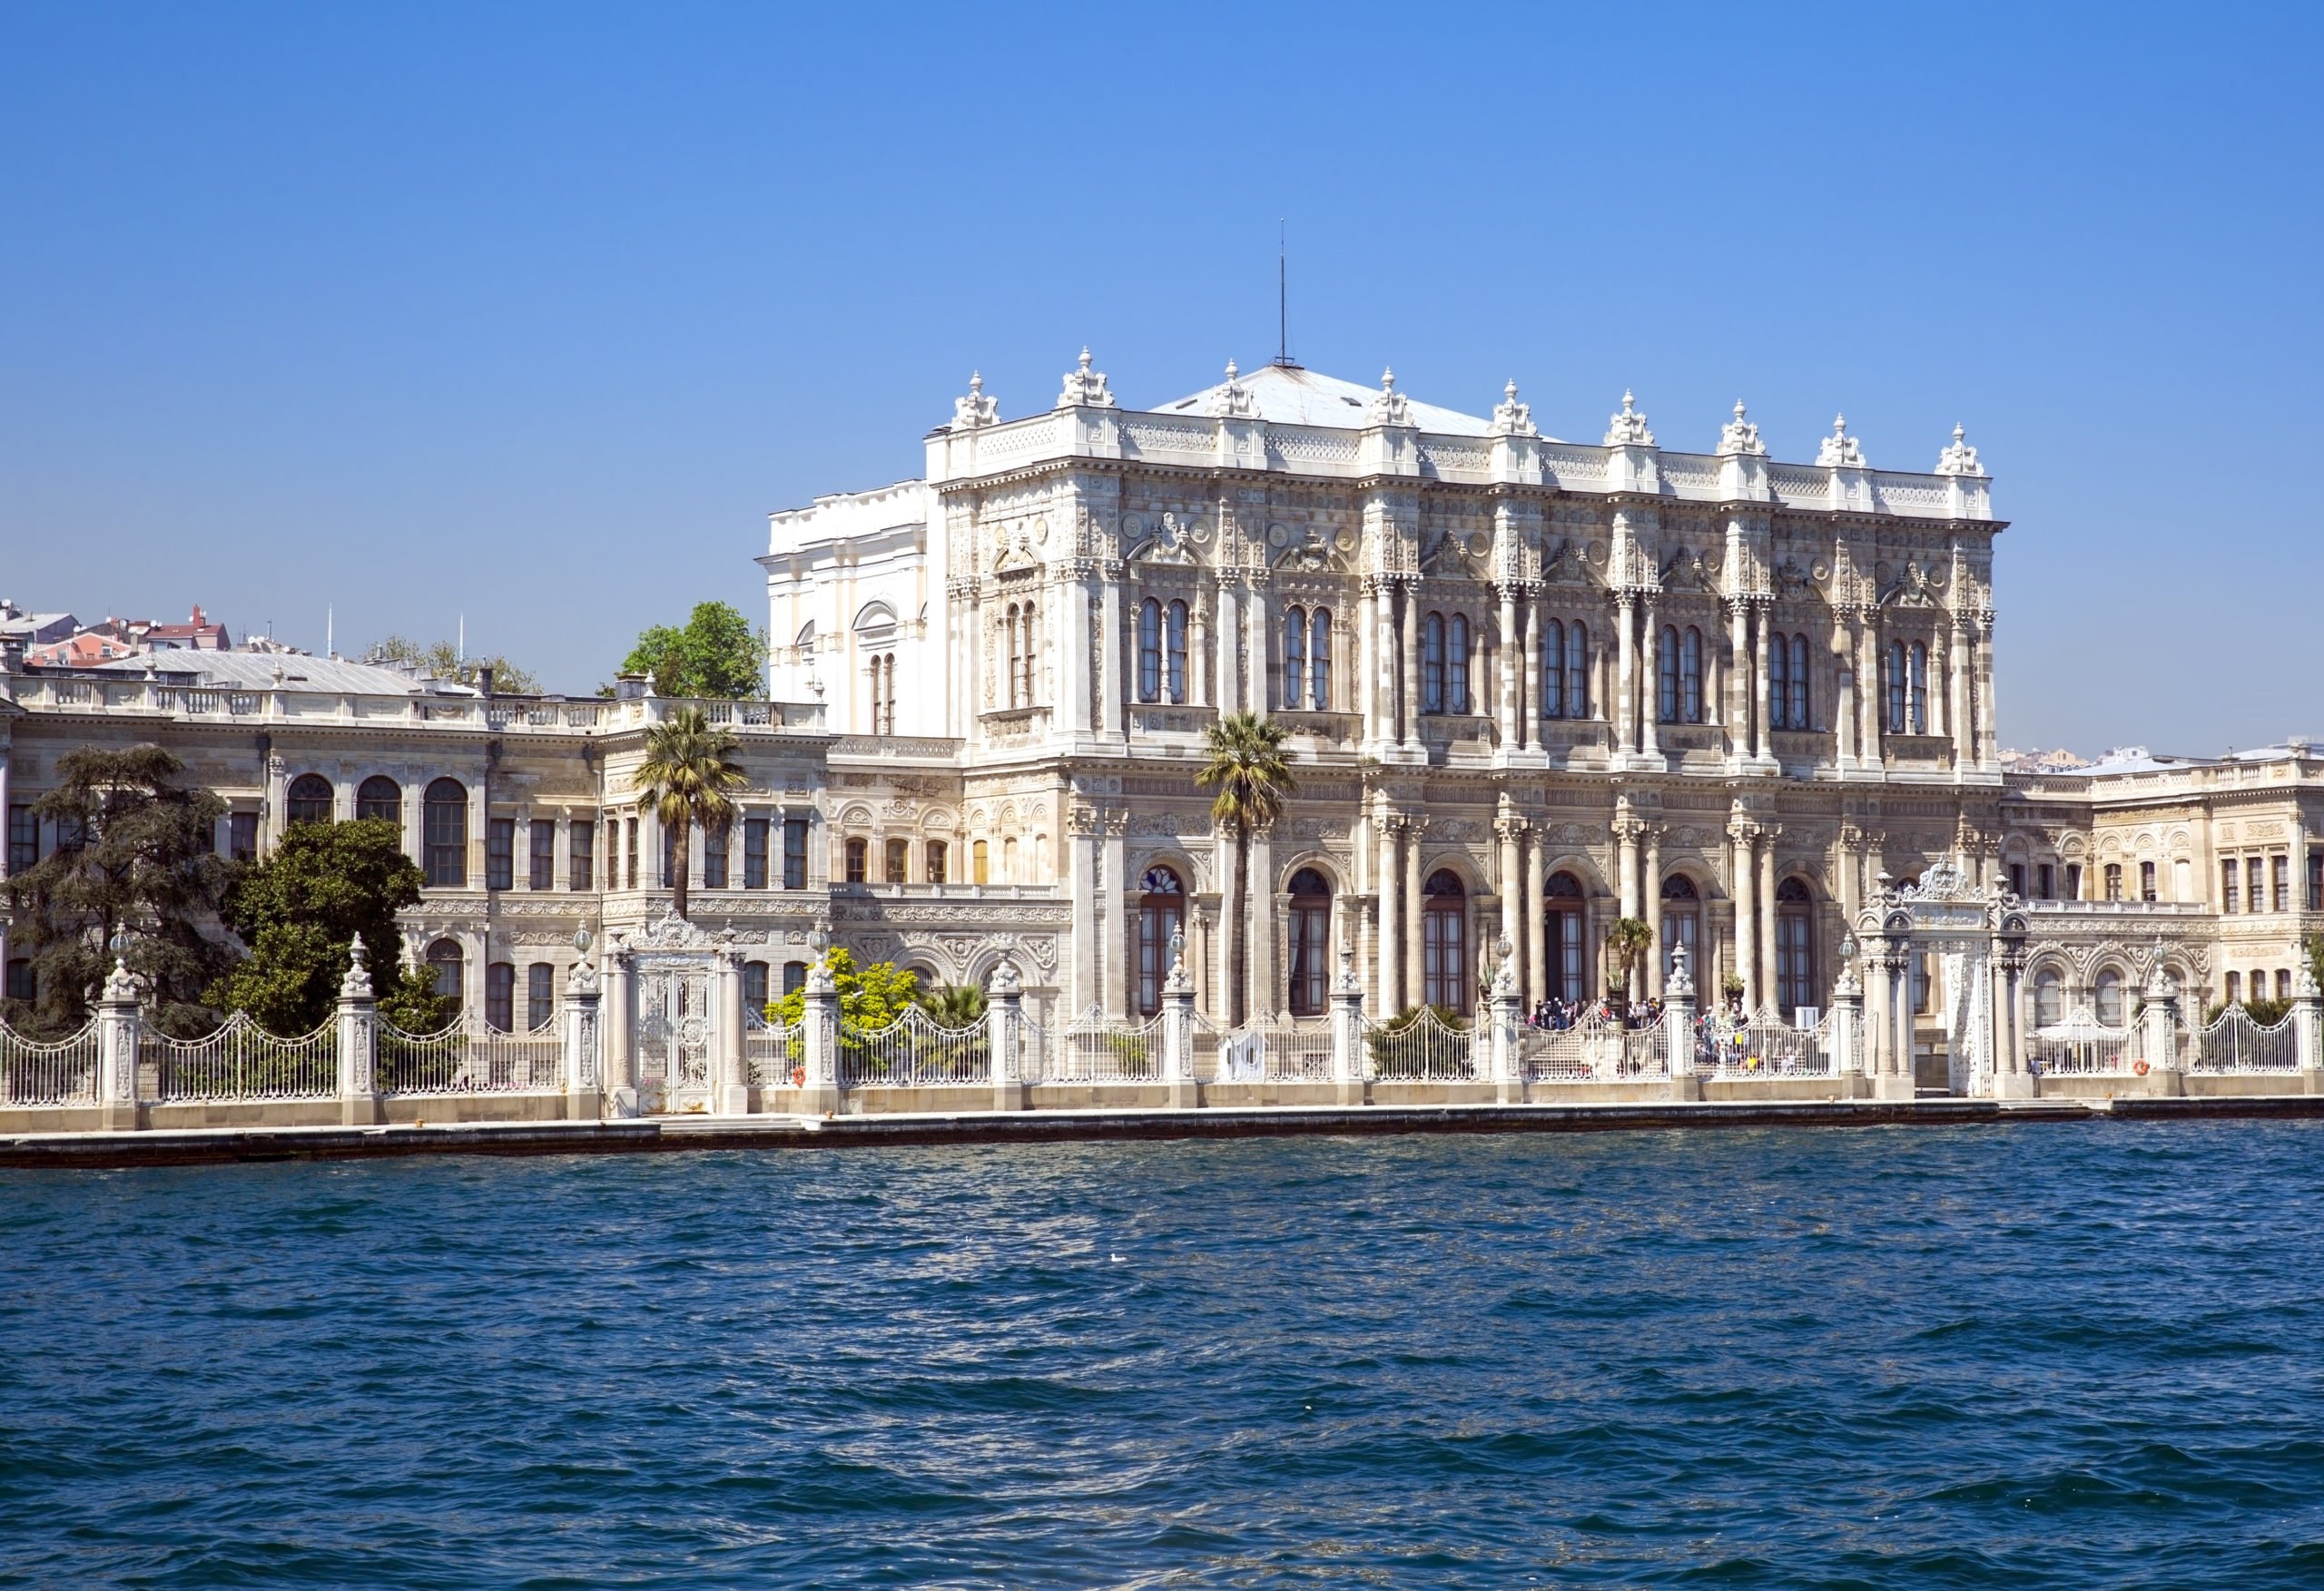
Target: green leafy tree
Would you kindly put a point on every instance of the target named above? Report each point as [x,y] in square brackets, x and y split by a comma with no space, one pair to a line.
[1247,768]
[135,861]
[718,653]
[870,996]
[1628,941]
[443,660]
[954,1005]
[301,910]
[687,782]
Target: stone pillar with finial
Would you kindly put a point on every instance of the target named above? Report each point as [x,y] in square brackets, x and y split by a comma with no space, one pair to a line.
[1679,1025]
[1179,1028]
[1349,1070]
[821,1096]
[117,1026]
[2160,1022]
[733,1057]
[358,1042]
[1848,1025]
[2308,1026]
[1508,1062]
[1004,1016]
[584,1076]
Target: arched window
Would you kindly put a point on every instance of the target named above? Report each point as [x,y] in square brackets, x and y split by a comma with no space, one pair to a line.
[1319,660]
[939,858]
[1431,663]
[1174,655]
[1799,718]
[1456,664]
[855,859]
[2114,880]
[2234,988]
[1691,675]
[443,959]
[1682,924]
[1778,683]
[2108,991]
[1795,945]
[1446,979]
[1295,658]
[1920,689]
[1577,670]
[1553,670]
[2049,1004]
[309,799]
[1562,947]
[895,862]
[500,995]
[381,798]
[1161,913]
[1666,677]
[883,693]
[1896,687]
[754,987]
[1149,651]
[2146,881]
[444,835]
[980,862]
[1009,860]
[1311,941]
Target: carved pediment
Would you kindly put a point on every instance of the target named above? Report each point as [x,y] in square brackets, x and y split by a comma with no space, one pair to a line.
[1171,543]
[1687,571]
[1456,553]
[1314,555]
[1568,565]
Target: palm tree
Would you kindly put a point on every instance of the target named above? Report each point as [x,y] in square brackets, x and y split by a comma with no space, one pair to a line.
[954,1004]
[1253,779]
[689,768]
[1627,940]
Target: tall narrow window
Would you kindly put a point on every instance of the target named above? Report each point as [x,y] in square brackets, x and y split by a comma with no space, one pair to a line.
[754,874]
[1161,914]
[2256,898]
[444,971]
[1682,923]
[1456,664]
[1799,718]
[794,853]
[500,995]
[2114,880]
[241,838]
[1577,670]
[714,857]
[380,797]
[1553,670]
[1691,675]
[2234,988]
[1561,952]
[795,977]
[1149,651]
[2316,880]
[1666,677]
[1795,947]
[1445,980]
[500,854]
[1920,689]
[24,838]
[1173,651]
[2280,883]
[2017,879]
[980,862]
[1295,658]
[1896,684]
[445,835]
[755,989]
[1025,682]
[309,800]
[1431,663]
[939,856]
[629,852]
[1319,660]
[855,860]
[2146,881]
[2049,1000]
[896,862]
[667,877]
[541,839]
[540,996]
[2074,880]
[22,984]
[2045,880]
[1778,683]
[2227,895]
[1310,941]
[2108,993]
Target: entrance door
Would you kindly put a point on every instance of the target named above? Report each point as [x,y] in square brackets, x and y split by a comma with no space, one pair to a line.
[673,1033]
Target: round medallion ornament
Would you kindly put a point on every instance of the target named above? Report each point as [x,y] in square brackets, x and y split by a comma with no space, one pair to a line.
[1345,540]
[1933,575]
[1201,534]
[1132,527]
[1597,554]
[1820,570]
[1278,535]
[1040,532]
[1479,544]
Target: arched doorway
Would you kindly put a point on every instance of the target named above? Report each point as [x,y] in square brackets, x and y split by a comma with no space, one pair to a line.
[1311,943]
[1161,913]
[1445,977]
[1795,947]
[1562,937]
[1682,922]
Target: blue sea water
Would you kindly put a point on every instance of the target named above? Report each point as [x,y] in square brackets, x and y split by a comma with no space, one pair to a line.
[2034,1356]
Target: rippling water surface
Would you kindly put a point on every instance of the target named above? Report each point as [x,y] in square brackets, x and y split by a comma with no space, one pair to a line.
[2032,1356]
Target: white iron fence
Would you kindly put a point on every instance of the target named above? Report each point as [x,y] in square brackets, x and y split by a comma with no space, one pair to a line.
[469,1058]
[774,1055]
[2083,1047]
[2235,1043]
[35,1074]
[913,1052]
[1421,1046]
[1766,1046]
[1276,1049]
[1095,1049]
[241,1061]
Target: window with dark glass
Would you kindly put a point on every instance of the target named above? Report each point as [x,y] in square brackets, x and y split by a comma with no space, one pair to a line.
[24,838]
[1431,663]
[795,977]
[1149,651]
[2114,880]
[2228,874]
[2049,1000]
[1295,658]
[500,995]
[1446,979]
[630,850]
[2316,880]
[1553,670]
[1691,675]
[938,856]
[541,872]
[1778,683]
[1682,923]
[1562,947]
[1917,982]
[667,877]
[73,833]
[2045,880]
[540,996]
[500,854]
[1795,947]
[580,854]
[2108,991]
[1896,683]
[1666,677]
[379,798]
[2234,988]
[2279,882]
[309,800]
[858,856]
[1174,654]
[241,837]
[1319,660]
[1310,927]
[1799,686]
[1920,689]
[1456,664]
[714,858]
[755,996]
[794,853]
[1577,676]
[1161,913]
[444,834]
[444,968]
[895,862]
[21,984]
[2074,880]
[755,853]
[2256,898]
[2017,879]
[2146,881]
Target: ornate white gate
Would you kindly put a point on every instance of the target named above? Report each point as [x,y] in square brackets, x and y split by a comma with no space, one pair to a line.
[674,1017]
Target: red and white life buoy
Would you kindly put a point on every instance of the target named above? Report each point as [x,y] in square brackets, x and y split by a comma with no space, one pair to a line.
[2138,1067]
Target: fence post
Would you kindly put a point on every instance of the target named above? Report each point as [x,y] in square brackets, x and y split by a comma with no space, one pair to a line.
[1679,1026]
[2306,1017]
[1179,1028]
[1508,1064]
[821,1096]
[734,1062]
[2161,1018]
[117,1051]
[584,1093]
[617,1043]
[1847,1026]
[1347,1033]
[1004,1016]
[359,1037]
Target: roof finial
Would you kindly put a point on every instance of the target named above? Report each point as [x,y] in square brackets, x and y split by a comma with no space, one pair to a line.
[976,409]
[1840,450]
[1234,402]
[1085,387]
[1390,406]
[1739,435]
[1959,458]
[1629,429]
[1511,417]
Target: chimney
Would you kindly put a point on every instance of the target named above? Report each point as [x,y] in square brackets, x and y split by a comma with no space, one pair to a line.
[484,680]
[197,616]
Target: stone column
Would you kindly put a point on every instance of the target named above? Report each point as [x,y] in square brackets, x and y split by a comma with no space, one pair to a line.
[1004,1016]
[1847,1023]
[1415,944]
[1507,1015]
[1367,657]
[2013,1080]
[1982,714]
[1507,657]
[1875,721]
[1389,877]
[2308,1027]
[2160,1020]
[358,1033]
[1649,681]
[1408,687]
[117,1026]
[1537,972]
[584,1087]
[1958,660]
[1178,1030]
[1257,648]
[1766,903]
[1086,986]
[1119,924]
[1625,713]
[1649,889]
[1262,995]
[1747,912]
[1112,692]
[734,1064]
[820,1035]
[1843,695]
[621,1061]
[1626,836]
[1900,1073]
[1763,737]
[1679,1027]
[1529,683]
[1230,677]
[1738,679]
[1510,832]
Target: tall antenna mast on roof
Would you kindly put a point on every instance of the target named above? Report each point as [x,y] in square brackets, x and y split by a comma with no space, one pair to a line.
[1282,301]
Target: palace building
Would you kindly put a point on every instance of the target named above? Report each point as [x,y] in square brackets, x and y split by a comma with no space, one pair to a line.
[1533,686]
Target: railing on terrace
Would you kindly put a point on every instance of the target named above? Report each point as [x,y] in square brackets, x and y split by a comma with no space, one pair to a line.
[1095,1048]
[2235,1043]
[2083,1047]
[1766,1046]
[774,1055]
[33,1073]
[1421,1046]
[241,1061]
[914,1051]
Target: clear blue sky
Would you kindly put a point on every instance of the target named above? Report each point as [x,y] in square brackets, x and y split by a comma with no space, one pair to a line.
[532,313]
